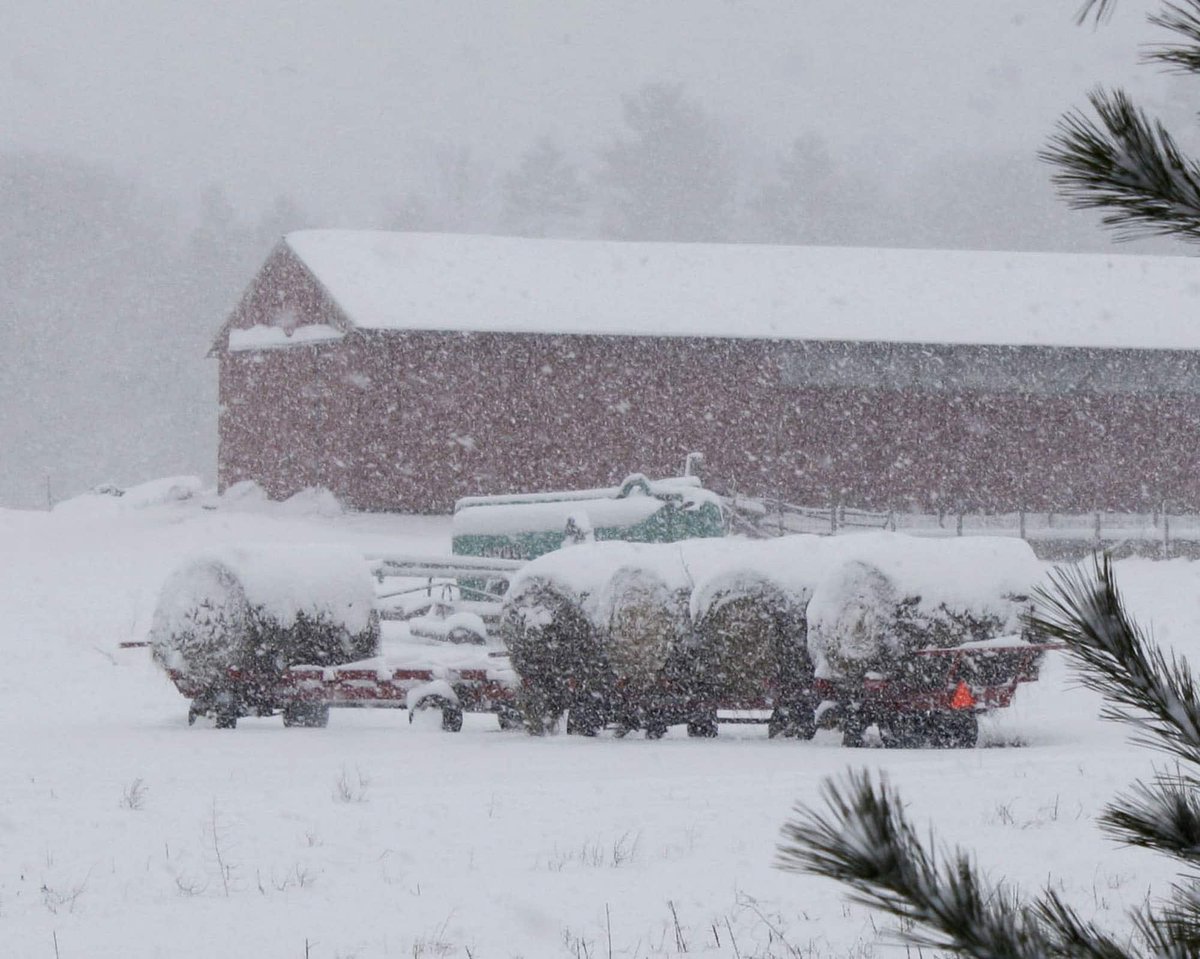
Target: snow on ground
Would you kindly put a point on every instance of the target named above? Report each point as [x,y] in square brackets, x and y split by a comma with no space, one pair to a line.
[125,833]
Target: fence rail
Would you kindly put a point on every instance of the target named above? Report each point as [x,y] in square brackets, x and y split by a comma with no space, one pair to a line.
[1054,535]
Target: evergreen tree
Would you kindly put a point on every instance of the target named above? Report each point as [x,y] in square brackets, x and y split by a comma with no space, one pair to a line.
[864,839]
[813,200]
[1125,163]
[544,195]
[455,195]
[672,178]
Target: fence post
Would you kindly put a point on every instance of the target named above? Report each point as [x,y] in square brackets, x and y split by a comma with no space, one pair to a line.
[891,520]
[1166,533]
[1096,528]
[958,524]
[833,518]
[1021,521]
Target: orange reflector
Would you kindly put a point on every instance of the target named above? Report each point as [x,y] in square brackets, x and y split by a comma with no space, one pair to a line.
[962,698]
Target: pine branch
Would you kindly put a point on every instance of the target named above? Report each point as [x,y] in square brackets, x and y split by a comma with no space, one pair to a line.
[1096,9]
[1185,22]
[866,842]
[1142,687]
[1173,933]
[1164,816]
[1128,165]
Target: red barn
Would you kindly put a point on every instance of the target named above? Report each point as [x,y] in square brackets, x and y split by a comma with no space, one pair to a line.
[402,371]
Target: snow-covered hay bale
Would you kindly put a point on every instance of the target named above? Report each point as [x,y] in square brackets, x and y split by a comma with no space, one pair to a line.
[888,596]
[552,646]
[851,620]
[259,610]
[645,621]
[750,636]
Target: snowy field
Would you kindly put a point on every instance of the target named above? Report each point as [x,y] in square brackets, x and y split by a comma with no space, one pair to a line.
[125,833]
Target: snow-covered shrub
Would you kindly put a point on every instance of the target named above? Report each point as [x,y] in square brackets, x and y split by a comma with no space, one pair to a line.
[257,611]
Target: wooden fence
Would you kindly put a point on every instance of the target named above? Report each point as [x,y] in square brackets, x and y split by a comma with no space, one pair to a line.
[1159,534]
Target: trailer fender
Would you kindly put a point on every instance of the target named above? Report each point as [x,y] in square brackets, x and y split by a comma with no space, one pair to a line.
[435,694]
[439,695]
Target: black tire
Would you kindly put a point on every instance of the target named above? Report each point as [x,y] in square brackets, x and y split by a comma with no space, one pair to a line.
[452,718]
[225,718]
[956,730]
[509,717]
[306,715]
[854,728]
[904,731]
[655,729]
[581,723]
[703,727]
[936,730]
[792,723]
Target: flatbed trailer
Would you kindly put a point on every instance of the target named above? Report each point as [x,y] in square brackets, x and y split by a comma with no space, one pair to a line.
[935,696]
[304,695]
[933,700]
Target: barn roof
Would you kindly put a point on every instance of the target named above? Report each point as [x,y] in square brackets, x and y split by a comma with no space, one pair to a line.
[414,281]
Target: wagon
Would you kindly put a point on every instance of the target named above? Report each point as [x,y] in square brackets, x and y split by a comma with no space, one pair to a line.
[934,697]
[436,653]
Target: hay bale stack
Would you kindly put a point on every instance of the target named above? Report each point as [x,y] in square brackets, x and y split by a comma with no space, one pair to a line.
[259,610]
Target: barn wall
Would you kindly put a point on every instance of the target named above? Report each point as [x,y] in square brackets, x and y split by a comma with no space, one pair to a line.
[413,421]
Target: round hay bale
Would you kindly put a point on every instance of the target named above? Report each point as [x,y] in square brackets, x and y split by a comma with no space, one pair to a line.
[645,622]
[553,648]
[202,625]
[750,640]
[257,611]
[851,621]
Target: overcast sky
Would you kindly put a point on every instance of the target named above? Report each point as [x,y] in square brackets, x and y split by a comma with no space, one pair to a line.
[335,102]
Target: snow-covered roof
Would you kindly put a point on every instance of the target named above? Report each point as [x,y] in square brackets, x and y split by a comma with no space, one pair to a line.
[421,281]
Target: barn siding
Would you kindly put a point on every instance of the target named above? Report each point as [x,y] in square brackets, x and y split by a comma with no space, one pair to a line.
[414,420]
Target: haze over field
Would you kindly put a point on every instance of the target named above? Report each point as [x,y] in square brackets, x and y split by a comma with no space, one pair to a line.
[151,153]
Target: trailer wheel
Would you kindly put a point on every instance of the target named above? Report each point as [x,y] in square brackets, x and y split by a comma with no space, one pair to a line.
[583,721]
[936,730]
[955,730]
[854,728]
[792,723]
[655,729]
[452,718]
[703,726]
[306,715]
[509,717]
[226,708]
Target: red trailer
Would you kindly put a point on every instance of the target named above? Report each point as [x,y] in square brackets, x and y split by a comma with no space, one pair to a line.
[935,696]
